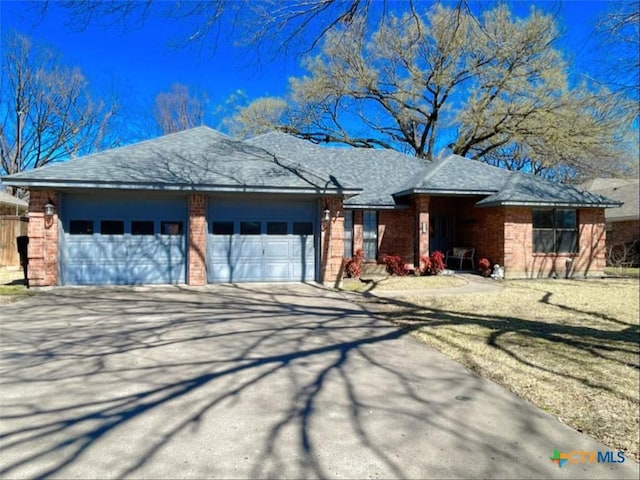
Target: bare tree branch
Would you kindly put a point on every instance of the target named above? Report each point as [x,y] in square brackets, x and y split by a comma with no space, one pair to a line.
[403,84]
[179,110]
[48,113]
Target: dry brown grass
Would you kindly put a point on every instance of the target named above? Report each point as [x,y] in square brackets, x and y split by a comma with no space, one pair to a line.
[402,283]
[571,347]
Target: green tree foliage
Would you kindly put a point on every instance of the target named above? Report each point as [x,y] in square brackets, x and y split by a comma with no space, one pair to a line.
[491,88]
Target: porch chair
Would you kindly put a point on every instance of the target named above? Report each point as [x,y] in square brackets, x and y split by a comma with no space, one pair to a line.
[461,254]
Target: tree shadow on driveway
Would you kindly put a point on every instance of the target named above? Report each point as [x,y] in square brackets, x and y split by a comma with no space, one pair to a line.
[243,382]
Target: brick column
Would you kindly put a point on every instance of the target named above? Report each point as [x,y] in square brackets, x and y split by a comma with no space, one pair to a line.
[331,240]
[43,240]
[421,204]
[197,269]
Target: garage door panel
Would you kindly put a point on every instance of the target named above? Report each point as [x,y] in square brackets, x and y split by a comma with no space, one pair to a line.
[246,249]
[277,249]
[97,274]
[220,247]
[275,253]
[277,271]
[303,272]
[302,247]
[247,271]
[140,255]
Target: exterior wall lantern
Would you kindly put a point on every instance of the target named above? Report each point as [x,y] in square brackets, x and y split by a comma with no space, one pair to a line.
[49,210]
[326,213]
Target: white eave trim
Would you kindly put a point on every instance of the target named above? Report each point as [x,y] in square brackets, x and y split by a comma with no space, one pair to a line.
[178,187]
[435,192]
[547,204]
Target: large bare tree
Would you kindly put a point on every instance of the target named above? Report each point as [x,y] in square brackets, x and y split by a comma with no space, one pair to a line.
[488,87]
[179,109]
[618,32]
[266,27]
[47,112]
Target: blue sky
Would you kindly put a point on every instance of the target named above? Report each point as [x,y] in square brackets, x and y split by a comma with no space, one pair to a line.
[141,63]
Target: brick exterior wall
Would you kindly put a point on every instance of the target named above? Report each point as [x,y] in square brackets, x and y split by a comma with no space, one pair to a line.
[623,232]
[43,240]
[332,241]
[591,260]
[483,229]
[503,235]
[396,234]
[197,257]
[521,262]
[397,231]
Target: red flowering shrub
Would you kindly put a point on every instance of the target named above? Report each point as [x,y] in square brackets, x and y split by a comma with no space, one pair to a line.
[484,267]
[353,268]
[437,262]
[432,265]
[395,265]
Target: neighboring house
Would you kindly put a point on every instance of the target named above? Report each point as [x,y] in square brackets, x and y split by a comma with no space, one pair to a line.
[196,207]
[623,224]
[12,224]
[10,205]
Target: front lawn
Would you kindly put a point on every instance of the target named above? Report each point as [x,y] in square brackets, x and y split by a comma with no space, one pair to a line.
[13,293]
[406,283]
[569,346]
[623,271]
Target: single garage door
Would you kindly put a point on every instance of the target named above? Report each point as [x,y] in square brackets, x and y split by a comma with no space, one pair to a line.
[126,239]
[261,241]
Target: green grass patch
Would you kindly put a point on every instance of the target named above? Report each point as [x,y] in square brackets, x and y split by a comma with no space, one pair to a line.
[569,346]
[13,293]
[623,271]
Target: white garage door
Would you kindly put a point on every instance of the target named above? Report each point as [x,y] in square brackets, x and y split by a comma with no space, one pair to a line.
[124,239]
[261,241]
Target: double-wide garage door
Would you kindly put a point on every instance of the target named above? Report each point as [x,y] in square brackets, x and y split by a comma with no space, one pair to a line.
[126,239]
[261,241]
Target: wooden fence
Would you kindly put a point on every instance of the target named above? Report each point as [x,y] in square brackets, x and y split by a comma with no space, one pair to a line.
[11,227]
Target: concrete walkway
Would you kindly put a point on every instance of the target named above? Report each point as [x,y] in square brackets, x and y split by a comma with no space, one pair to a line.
[254,381]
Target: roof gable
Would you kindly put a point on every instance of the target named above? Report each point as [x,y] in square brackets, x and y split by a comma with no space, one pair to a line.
[456,175]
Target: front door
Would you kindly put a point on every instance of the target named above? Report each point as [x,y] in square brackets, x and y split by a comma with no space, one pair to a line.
[440,233]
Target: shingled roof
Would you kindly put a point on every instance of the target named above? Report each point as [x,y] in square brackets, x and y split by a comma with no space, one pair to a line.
[380,173]
[626,191]
[456,175]
[202,159]
[196,159]
[523,189]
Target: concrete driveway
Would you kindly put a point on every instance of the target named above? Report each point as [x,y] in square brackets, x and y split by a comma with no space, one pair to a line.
[278,381]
